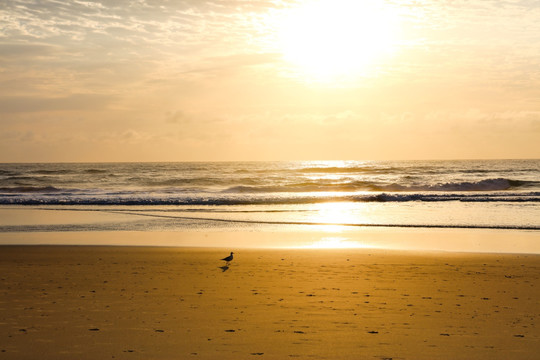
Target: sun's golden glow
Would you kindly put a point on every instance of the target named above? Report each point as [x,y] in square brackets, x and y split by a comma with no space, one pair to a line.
[336,242]
[335,213]
[329,39]
[333,216]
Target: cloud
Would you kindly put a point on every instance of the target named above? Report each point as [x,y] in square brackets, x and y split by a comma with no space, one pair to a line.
[211,73]
[227,65]
[76,102]
[176,117]
[88,44]
[18,51]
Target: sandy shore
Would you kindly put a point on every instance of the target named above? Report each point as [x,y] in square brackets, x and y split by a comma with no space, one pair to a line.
[67,302]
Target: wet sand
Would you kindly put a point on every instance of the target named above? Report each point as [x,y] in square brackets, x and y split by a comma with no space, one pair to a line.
[81,302]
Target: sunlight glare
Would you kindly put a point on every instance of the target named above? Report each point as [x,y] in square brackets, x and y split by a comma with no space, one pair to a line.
[336,243]
[328,39]
[336,213]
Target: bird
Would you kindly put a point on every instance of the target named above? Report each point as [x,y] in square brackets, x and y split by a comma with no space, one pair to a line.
[229,258]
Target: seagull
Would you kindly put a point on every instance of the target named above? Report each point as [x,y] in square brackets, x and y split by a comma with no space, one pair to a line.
[229,258]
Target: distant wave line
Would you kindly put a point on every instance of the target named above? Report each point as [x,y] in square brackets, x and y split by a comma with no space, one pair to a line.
[212,199]
[237,187]
[442,226]
[485,185]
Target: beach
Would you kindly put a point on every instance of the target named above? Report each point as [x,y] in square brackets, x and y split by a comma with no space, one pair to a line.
[372,169]
[332,260]
[140,302]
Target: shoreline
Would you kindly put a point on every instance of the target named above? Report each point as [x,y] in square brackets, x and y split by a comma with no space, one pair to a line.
[394,252]
[299,237]
[85,226]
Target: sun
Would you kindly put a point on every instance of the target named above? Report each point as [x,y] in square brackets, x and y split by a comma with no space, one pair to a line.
[332,39]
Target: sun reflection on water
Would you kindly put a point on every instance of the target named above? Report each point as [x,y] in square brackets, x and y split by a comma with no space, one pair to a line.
[337,213]
[336,242]
[332,219]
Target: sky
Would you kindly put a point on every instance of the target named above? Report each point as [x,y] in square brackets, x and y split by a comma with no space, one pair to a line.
[224,80]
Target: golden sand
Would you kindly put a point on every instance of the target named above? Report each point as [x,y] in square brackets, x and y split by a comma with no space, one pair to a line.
[68,302]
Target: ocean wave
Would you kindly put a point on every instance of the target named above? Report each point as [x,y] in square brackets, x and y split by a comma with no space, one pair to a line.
[363,169]
[29,189]
[506,197]
[95,171]
[349,169]
[180,182]
[32,197]
[290,188]
[176,222]
[498,184]
[21,178]
[50,172]
[482,185]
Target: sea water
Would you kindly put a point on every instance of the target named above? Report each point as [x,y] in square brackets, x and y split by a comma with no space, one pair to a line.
[491,194]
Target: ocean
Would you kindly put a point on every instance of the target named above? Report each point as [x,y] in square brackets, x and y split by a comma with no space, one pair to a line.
[484,194]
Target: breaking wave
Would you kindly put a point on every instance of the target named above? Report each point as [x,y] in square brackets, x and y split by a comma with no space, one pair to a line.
[29,189]
[33,197]
[498,184]
[482,185]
